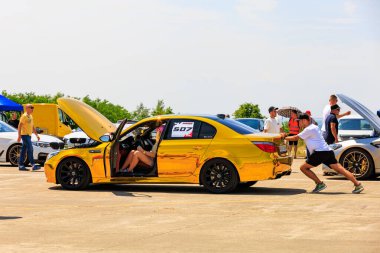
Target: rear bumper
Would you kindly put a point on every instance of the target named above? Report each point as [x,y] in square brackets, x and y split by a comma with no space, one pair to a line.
[283,166]
[270,169]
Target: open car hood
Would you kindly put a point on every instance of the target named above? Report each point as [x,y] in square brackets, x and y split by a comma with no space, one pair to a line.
[363,111]
[92,122]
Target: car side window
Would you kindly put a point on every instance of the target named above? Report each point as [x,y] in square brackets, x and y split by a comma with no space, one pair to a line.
[207,131]
[183,129]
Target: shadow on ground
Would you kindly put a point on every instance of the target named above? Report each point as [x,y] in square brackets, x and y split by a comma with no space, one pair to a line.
[10,217]
[130,190]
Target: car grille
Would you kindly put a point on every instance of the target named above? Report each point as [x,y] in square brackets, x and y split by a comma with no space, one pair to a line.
[57,145]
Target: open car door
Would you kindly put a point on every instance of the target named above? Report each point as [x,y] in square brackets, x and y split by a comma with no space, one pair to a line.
[115,149]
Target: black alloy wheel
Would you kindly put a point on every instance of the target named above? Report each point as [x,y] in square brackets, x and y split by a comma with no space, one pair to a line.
[14,155]
[73,174]
[358,162]
[219,176]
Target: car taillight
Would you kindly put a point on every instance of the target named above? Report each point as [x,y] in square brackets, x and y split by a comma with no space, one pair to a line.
[268,147]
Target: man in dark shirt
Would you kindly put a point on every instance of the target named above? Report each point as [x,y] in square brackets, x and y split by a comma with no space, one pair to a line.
[331,124]
[14,121]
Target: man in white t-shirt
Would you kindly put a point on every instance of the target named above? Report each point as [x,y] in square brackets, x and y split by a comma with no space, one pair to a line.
[327,110]
[320,153]
[272,125]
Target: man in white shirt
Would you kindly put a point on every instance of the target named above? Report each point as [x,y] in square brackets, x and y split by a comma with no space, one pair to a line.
[327,110]
[320,153]
[272,125]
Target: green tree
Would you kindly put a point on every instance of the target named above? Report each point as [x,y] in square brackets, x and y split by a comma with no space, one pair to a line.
[111,111]
[141,112]
[160,109]
[248,110]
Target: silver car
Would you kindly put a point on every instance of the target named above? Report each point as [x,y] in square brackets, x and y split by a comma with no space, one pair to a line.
[361,156]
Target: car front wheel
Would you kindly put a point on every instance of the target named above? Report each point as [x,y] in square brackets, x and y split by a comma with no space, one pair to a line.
[14,155]
[359,162]
[219,176]
[73,174]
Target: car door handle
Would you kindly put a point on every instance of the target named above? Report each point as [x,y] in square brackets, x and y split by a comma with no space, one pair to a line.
[197,147]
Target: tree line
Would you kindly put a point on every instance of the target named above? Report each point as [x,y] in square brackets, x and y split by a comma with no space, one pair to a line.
[116,112]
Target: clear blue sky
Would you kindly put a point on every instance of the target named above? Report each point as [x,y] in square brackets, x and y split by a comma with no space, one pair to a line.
[200,56]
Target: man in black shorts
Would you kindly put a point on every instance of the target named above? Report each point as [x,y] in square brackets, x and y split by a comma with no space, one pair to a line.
[320,153]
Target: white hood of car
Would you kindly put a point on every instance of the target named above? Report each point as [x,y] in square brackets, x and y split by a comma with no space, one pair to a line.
[363,111]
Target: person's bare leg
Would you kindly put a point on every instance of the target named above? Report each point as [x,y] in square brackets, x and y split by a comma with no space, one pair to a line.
[339,168]
[295,151]
[128,160]
[305,168]
[138,156]
[290,150]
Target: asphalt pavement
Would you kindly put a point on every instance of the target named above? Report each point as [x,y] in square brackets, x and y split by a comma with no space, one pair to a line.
[272,216]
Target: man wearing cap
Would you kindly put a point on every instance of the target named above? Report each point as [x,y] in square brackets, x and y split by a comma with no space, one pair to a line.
[320,153]
[272,125]
[331,125]
[308,112]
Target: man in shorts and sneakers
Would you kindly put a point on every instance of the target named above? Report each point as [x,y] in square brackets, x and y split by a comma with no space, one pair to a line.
[320,153]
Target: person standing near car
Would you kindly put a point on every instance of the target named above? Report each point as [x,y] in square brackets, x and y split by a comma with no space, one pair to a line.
[272,125]
[25,130]
[14,121]
[327,110]
[331,125]
[320,153]
[294,129]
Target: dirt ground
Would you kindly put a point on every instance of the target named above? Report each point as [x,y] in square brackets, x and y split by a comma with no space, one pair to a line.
[272,216]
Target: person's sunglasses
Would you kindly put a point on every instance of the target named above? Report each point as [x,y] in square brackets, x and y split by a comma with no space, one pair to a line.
[31,107]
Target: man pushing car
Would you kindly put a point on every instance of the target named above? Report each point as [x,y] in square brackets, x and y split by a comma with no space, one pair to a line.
[320,153]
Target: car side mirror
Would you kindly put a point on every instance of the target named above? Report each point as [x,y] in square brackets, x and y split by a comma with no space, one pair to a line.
[39,130]
[107,137]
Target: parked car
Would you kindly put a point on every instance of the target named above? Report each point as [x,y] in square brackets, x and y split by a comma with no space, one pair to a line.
[51,120]
[218,153]
[361,156]
[10,148]
[354,127]
[257,124]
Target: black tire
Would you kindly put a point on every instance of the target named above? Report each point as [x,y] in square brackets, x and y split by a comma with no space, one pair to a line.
[246,185]
[359,162]
[219,176]
[13,155]
[73,174]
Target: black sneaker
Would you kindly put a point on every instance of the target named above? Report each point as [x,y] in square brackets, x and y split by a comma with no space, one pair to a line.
[358,189]
[22,168]
[36,167]
[319,187]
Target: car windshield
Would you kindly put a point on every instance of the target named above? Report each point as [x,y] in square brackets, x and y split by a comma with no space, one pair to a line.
[354,124]
[235,125]
[4,127]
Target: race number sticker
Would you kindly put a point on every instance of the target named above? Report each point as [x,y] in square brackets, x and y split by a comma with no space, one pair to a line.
[183,130]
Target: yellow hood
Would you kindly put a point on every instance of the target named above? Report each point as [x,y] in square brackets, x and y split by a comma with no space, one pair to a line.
[92,122]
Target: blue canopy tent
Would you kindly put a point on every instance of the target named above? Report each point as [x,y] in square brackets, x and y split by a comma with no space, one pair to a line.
[8,105]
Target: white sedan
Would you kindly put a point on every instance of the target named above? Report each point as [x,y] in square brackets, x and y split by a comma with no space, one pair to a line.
[10,148]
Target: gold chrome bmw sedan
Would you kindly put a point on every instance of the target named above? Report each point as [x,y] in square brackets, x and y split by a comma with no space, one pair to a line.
[219,153]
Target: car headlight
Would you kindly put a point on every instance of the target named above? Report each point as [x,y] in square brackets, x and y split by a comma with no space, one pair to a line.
[41,144]
[50,155]
[335,146]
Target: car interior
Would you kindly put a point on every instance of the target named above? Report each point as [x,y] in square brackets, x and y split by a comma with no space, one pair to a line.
[142,135]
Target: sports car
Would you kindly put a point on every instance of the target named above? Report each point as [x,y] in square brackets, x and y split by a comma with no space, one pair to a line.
[219,153]
[361,156]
